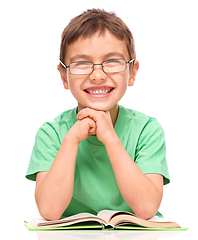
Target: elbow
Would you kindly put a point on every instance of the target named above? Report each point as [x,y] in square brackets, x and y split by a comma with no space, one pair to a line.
[146,212]
[50,212]
[49,215]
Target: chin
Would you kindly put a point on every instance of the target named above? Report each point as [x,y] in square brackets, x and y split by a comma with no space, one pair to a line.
[98,106]
[94,107]
[102,108]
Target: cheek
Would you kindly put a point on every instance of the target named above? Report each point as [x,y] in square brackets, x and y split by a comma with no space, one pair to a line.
[122,81]
[73,81]
[75,84]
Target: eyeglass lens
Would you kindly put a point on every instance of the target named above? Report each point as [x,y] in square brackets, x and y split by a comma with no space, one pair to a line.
[109,66]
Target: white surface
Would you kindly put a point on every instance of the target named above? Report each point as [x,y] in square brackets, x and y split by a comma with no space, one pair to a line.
[31,93]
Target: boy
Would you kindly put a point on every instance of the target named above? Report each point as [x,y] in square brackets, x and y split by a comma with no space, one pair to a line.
[98,155]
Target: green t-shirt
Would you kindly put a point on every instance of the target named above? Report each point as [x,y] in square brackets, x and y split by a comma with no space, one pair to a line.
[95,186]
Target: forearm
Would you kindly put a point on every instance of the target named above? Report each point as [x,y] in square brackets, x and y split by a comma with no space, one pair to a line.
[53,194]
[137,189]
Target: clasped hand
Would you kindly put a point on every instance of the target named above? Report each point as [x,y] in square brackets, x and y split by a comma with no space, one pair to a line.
[93,122]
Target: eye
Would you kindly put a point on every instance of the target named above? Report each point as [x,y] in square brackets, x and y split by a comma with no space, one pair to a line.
[113,62]
[81,65]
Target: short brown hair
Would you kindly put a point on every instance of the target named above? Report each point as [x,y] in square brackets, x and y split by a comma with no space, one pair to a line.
[94,20]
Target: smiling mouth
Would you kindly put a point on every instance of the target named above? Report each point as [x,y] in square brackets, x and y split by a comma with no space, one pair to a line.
[99,90]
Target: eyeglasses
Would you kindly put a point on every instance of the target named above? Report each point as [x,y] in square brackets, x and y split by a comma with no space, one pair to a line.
[109,66]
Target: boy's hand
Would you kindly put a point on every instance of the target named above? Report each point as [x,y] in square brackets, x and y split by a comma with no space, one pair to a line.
[103,125]
[83,129]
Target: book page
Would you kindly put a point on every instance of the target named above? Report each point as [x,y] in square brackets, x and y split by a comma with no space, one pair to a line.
[78,216]
[158,219]
[36,221]
[106,215]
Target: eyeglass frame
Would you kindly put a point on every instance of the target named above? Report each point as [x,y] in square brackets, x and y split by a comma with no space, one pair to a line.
[97,64]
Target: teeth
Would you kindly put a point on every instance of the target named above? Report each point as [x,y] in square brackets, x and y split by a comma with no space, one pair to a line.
[98,92]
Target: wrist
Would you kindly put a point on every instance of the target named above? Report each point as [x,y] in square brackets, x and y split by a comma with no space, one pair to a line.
[111,139]
[71,137]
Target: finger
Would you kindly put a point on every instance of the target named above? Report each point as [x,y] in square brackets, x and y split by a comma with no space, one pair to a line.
[92,126]
[88,123]
[88,112]
[92,131]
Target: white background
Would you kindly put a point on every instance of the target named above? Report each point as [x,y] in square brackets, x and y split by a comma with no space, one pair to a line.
[31,91]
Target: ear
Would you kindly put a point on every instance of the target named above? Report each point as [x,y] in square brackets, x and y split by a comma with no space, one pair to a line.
[133,73]
[63,76]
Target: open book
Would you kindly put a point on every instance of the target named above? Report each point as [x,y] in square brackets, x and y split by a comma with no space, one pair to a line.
[105,219]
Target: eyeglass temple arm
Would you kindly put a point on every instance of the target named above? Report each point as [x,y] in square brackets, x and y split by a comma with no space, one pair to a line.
[63,64]
[131,61]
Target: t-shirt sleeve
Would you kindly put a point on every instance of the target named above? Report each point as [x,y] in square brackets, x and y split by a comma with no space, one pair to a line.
[46,147]
[150,154]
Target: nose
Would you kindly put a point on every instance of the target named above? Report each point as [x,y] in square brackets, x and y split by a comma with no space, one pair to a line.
[98,74]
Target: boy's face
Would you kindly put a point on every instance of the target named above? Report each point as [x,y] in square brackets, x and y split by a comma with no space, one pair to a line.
[87,88]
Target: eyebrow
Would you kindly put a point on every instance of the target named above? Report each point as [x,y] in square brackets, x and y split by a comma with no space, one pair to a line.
[112,54]
[106,56]
[81,56]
